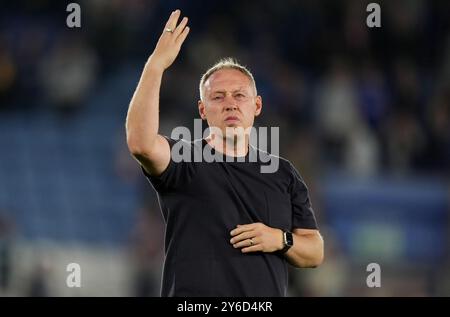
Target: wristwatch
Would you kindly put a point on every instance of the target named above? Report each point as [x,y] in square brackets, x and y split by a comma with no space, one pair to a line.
[288,241]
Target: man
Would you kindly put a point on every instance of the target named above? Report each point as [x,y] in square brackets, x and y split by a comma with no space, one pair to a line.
[230,229]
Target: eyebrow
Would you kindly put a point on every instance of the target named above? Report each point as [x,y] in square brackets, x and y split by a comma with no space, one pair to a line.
[223,91]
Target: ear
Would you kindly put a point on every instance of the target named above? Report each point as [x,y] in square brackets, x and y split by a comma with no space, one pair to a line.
[258,103]
[201,110]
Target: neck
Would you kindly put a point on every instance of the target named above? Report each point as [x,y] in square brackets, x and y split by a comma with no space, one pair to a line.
[231,146]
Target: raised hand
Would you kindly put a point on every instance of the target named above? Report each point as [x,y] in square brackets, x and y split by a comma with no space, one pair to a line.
[169,42]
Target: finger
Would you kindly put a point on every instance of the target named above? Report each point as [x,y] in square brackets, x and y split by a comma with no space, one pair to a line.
[245,243]
[242,228]
[179,41]
[180,27]
[254,248]
[242,236]
[173,19]
[170,20]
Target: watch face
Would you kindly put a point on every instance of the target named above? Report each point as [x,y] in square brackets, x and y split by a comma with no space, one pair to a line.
[288,240]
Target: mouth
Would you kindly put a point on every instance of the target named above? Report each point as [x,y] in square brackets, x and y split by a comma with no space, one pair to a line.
[232,119]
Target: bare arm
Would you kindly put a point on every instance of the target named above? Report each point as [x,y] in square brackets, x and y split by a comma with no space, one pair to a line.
[149,148]
[307,250]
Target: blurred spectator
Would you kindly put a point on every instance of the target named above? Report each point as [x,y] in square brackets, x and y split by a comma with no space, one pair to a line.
[438,149]
[362,156]
[38,280]
[373,95]
[337,114]
[68,74]
[404,141]
[147,252]
[8,75]
[6,232]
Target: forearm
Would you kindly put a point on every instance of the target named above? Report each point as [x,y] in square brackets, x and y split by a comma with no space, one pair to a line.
[142,121]
[307,251]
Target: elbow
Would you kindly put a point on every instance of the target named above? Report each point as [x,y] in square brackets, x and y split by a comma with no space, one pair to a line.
[136,146]
[312,263]
[134,142]
[318,259]
[139,141]
[138,152]
[134,149]
[133,145]
[315,259]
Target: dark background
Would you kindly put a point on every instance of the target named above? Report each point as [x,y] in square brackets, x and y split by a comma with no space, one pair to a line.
[363,114]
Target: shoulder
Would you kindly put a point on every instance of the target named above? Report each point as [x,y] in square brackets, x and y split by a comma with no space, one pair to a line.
[197,143]
[184,150]
[275,165]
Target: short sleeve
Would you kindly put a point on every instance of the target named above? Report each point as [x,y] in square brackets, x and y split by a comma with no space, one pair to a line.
[303,213]
[177,174]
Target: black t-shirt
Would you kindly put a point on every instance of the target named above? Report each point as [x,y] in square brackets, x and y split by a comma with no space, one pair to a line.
[202,202]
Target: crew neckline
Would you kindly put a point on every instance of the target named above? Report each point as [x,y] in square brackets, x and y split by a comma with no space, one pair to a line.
[246,156]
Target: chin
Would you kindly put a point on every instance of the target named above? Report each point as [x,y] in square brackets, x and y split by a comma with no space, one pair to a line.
[237,131]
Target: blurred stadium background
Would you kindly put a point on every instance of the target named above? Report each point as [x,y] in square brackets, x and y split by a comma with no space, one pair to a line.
[363,114]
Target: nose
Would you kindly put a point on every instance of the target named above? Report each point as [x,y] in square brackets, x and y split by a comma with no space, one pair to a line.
[230,103]
[231,107]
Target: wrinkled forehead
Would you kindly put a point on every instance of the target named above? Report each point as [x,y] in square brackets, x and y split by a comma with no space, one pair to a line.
[227,80]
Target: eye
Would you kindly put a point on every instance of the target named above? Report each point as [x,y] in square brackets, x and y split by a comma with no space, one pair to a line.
[217,98]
